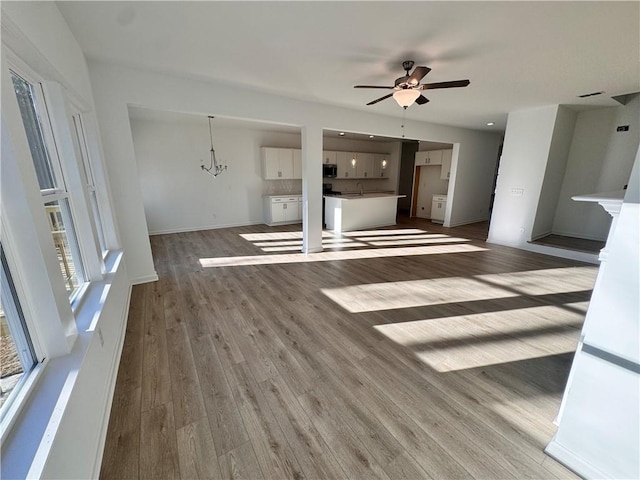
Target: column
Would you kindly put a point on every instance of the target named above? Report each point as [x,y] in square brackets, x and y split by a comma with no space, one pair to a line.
[311,189]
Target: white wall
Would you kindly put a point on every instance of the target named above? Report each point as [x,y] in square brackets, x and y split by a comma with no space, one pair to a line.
[63,424]
[522,166]
[179,196]
[473,167]
[599,160]
[554,173]
[115,87]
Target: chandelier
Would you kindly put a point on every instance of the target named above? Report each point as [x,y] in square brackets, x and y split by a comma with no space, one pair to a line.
[214,168]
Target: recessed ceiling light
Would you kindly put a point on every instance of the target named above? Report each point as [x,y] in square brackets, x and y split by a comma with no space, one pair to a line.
[490,124]
[370,136]
[341,134]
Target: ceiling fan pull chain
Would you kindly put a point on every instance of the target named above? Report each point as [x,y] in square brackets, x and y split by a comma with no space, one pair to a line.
[404,114]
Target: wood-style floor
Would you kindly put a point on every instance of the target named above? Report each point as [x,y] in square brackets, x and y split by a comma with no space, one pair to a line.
[442,357]
[571,243]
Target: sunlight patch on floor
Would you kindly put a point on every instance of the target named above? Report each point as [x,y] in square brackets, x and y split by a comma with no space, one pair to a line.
[416,293]
[471,341]
[292,248]
[325,241]
[292,241]
[257,237]
[421,241]
[340,255]
[397,231]
[404,236]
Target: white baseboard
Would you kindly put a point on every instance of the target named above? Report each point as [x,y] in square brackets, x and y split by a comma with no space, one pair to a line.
[113,375]
[205,227]
[145,279]
[578,235]
[562,253]
[554,252]
[467,222]
[540,235]
[573,462]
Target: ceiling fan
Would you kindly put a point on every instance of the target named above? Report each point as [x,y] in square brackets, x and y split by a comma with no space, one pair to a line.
[408,88]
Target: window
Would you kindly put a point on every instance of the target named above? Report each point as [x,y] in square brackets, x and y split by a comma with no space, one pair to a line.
[89,180]
[51,181]
[17,356]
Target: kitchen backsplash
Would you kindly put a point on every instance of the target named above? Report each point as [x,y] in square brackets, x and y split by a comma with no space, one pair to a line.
[294,187]
[284,187]
[342,185]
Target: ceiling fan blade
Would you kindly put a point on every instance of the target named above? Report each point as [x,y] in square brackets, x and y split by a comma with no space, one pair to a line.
[373,86]
[455,83]
[379,99]
[417,75]
[421,100]
[401,80]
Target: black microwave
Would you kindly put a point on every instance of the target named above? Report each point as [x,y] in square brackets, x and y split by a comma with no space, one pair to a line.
[329,170]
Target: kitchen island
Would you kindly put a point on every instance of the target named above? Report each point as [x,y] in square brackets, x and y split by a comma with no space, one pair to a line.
[344,213]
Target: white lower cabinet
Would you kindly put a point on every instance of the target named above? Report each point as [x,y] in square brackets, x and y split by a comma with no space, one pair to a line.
[282,209]
[438,207]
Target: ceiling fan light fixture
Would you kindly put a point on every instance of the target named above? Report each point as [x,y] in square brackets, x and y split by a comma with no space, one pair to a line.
[406,97]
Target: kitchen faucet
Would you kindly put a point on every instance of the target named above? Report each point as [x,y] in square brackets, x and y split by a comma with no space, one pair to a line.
[361,188]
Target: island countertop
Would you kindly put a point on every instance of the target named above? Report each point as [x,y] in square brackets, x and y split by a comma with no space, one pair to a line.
[348,212]
[357,196]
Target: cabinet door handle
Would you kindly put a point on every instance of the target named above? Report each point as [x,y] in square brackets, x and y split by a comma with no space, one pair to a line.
[284,206]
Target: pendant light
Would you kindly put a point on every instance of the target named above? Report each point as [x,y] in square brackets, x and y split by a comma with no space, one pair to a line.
[214,168]
[406,96]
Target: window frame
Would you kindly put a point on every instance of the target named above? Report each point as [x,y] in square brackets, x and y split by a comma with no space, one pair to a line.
[53,318]
[89,179]
[60,191]
[26,385]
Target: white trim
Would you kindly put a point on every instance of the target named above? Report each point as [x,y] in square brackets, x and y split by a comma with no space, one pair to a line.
[540,235]
[578,235]
[22,390]
[113,375]
[20,46]
[467,222]
[551,251]
[211,227]
[145,279]
[571,461]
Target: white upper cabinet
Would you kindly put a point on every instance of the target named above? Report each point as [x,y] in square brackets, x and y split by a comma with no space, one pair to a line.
[297,163]
[345,169]
[381,165]
[281,163]
[433,157]
[445,171]
[364,165]
[286,164]
[329,158]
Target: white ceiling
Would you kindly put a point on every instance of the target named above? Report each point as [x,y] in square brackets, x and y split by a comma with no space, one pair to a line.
[517,55]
